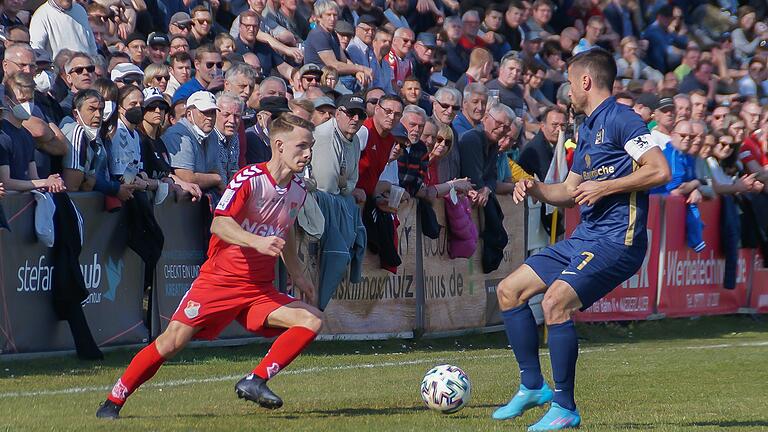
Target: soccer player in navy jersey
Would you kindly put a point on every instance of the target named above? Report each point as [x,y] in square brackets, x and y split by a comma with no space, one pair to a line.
[615,164]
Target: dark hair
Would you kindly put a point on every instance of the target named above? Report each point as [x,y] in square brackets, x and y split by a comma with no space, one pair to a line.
[365,95]
[704,63]
[666,11]
[83,95]
[517,4]
[125,91]
[533,67]
[600,65]
[107,88]
[551,48]
[180,57]
[394,98]
[551,109]
[286,122]
[624,95]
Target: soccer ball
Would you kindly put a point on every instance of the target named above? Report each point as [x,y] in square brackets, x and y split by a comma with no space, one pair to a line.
[446,388]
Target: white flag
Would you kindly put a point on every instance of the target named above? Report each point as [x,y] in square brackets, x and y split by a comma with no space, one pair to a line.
[558,168]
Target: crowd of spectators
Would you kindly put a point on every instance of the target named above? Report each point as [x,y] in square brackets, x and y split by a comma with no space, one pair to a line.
[428,98]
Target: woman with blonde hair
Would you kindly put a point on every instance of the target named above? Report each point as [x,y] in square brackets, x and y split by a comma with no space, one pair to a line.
[157,76]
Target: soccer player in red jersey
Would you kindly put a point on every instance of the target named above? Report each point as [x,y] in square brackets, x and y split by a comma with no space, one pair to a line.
[252,226]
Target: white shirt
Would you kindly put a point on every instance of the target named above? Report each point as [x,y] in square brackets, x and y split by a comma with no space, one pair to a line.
[124,150]
[661,139]
[53,29]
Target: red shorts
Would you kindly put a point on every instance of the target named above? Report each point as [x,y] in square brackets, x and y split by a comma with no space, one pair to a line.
[212,306]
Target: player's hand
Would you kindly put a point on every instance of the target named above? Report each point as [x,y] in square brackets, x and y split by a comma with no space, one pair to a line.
[588,193]
[522,190]
[55,184]
[305,288]
[270,246]
[694,197]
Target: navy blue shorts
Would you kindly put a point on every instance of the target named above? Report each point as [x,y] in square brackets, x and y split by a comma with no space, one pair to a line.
[592,267]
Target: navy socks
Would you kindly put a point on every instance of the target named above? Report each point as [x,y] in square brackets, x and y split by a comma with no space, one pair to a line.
[563,352]
[523,336]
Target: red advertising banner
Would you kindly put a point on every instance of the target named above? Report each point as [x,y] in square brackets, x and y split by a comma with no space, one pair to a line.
[692,284]
[634,299]
[759,299]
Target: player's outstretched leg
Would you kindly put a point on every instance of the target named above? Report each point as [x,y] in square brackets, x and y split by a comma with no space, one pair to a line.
[559,303]
[144,366]
[302,322]
[520,325]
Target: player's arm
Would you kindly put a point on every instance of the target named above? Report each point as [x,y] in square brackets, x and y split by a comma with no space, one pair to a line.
[653,171]
[556,194]
[292,264]
[227,229]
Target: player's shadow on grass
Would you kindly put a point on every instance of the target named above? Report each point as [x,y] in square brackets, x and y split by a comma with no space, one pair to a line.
[350,412]
[729,423]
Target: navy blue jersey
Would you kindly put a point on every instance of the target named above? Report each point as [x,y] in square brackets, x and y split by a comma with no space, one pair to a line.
[611,140]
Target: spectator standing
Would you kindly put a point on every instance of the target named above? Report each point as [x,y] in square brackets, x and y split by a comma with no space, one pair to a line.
[322,45]
[383,75]
[192,156]
[593,31]
[511,27]
[479,70]
[398,58]
[665,116]
[335,164]
[479,152]
[445,107]
[225,134]
[472,109]
[180,72]
[663,47]
[59,24]
[423,60]
[18,170]
[752,152]
[376,142]
[208,73]
[247,41]
[79,76]
[491,32]
[137,49]
[507,84]
[537,154]
[258,149]
[125,147]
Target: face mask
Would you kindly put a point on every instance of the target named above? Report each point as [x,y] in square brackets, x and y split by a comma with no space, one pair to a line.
[23,111]
[134,115]
[90,131]
[109,108]
[44,81]
[200,134]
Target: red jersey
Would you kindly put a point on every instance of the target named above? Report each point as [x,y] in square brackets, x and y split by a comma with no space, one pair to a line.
[401,69]
[374,156]
[752,150]
[261,207]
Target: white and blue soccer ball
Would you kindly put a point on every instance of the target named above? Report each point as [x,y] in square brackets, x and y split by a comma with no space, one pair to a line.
[446,388]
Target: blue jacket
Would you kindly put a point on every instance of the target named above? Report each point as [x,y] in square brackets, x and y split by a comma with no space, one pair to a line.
[342,245]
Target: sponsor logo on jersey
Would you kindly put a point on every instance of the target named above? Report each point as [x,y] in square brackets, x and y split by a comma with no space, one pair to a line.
[192,310]
[264,230]
[600,136]
[598,172]
[225,199]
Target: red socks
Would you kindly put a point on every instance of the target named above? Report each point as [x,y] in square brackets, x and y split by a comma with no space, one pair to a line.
[284,350]
[143,367]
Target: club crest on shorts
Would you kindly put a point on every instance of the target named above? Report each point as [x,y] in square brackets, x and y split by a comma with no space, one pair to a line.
[192,310]
[599,136]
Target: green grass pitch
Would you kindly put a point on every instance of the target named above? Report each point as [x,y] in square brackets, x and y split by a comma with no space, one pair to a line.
[708,374]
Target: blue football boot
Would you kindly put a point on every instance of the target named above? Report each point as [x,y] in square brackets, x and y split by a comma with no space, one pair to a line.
[525,399]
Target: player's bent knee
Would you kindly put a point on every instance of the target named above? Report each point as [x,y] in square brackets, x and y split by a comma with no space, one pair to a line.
[509,293]
[558,305]
[309,318]
[173,339]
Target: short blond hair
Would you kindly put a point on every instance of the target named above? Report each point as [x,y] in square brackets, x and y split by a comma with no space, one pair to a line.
[286,123]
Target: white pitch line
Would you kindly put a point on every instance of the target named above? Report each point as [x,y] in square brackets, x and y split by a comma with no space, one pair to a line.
[177,383]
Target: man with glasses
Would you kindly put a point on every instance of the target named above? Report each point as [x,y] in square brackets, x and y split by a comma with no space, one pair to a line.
[423,54]
[246,42]
[445,108]
[398,57]
[376,142]
[336,157]
[137,48]
[191,153]
[361,49]
[79,76]
[478,149]
[178,44]
[125,74]
[382,72]
[372,96]
[717,119]
[208,73]
[754,84]
[19,57]
[595,28]
[752,153]
[202,22]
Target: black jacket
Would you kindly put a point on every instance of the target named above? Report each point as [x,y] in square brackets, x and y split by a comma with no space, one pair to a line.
[494,235]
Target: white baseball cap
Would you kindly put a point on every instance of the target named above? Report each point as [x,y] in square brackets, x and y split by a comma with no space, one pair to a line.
[151,94]
[122,70]
[202,100]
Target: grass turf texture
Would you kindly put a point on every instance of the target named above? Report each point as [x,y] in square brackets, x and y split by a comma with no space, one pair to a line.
[674,375]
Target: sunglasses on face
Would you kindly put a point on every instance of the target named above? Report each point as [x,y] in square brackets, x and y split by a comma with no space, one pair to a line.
[445,140]
[162,78]
[447,105]
[155,107]
[203,21]
[373,101]
[311,78]
[210,65]
[131,80]
[352,114]
[79,70]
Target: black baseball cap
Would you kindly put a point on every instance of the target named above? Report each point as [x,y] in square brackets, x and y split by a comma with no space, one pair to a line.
[274,104]
[368,19]
[648,99]
[351,102]
[157,38]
